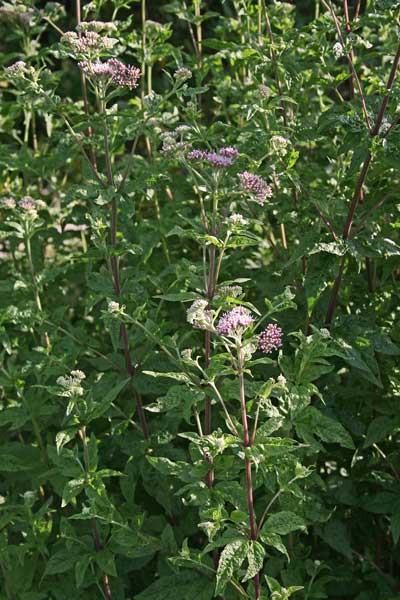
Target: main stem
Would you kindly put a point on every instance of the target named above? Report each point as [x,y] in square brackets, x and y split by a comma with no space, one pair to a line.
[279,85]
[34,282]
[247,442]
[348,30]
[115,274]
[199,37]
[96,534]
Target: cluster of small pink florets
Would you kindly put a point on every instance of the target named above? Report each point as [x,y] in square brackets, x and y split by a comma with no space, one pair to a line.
[113,70]
[257,186]
[222,159]
[235,321]
[270,339]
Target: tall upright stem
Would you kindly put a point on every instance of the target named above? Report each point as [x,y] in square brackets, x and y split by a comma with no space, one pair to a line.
[96,534]
[279,85]
[199,39]
[247,442]
[115,273]
[210,290]
[34,281]
[348,30]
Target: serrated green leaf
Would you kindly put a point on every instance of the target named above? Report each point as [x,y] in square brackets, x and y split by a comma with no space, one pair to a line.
[255,558]
[283,522]
[230,561]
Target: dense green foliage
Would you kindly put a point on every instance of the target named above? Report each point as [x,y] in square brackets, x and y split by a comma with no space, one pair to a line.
[153,440]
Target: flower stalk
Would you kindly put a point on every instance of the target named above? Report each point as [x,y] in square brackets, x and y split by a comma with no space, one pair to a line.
[96,534]
[247,443]
[115,272]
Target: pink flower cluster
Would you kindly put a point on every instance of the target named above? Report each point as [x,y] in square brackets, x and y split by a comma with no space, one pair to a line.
[235,321]
[270,339]
[27,203]
[8,203]
[112,69]
[222,159]
[257,186]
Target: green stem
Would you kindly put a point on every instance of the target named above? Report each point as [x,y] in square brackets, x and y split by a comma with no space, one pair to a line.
[34,279]
[228,417]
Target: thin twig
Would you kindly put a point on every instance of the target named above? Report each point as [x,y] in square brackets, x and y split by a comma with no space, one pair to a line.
[228,417]
[351,63]
[359,185]
[84,88]
[326,221]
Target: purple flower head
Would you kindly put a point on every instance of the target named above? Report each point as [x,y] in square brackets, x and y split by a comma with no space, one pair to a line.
[27,203]
[221,160]
[235,321]
[270,339]
[98,69]
[257,186]
[112,69]
[196,155]
[218,160]
[229,151]
[125,76]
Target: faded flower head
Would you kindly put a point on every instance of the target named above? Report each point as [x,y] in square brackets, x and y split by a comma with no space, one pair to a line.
[279,145]
[96,26]
[8,203]
[113,70]
[264,90]
[90,43]
[257,186]
[182,129]
[237,219]
[71,385]
[170,143]
[182,74]
[233,291]
[18,70]
[199,315]
[281,380]
[338,50]
[235,322]
[23,14]
[115,307]
[270,339]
